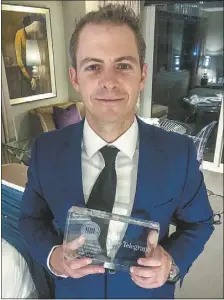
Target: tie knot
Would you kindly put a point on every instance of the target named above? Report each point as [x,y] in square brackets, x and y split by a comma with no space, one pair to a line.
[109,154]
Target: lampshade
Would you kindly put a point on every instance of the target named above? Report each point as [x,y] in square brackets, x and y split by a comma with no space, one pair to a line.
[206,61]
[32,53]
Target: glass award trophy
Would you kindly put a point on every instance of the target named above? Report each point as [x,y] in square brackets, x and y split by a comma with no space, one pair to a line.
[110,240]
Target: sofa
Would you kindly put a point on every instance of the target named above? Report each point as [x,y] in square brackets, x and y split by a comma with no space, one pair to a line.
[41,118]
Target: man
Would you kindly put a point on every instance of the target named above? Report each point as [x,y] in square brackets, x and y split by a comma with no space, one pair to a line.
[34,28]
[157,172]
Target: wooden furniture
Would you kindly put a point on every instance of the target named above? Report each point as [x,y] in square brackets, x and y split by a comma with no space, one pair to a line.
[15,173]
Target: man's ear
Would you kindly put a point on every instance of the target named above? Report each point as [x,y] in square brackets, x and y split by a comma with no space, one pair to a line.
[143,76]
[74,78]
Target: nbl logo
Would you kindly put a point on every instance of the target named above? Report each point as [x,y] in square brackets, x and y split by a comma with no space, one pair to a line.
[90,230]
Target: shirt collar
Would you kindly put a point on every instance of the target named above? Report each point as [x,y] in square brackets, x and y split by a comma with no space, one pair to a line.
[126,143]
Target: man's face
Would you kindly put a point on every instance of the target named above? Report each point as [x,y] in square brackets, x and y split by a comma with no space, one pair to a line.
[108,74]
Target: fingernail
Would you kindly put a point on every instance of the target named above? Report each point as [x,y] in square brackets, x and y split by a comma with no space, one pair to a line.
[81,239]
[101,271]
[139,261]
[131,269]
[89,261]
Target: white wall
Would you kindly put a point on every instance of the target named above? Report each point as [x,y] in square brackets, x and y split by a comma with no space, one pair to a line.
[72,10]
[92,5]
[20,111]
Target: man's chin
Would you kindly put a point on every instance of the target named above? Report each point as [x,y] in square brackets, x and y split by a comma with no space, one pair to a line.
[109,117]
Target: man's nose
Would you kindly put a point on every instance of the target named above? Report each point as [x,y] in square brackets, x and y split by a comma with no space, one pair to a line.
[109,80]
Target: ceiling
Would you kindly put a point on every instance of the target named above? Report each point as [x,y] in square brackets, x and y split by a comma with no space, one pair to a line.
[212,5]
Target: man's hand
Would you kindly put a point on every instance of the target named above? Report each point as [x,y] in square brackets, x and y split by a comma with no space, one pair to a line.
[156,267]
[33,84]
[73,268]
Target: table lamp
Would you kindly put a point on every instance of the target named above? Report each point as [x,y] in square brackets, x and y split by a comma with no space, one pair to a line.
[33,57]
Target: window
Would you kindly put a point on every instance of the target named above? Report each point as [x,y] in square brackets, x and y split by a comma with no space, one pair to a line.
[187,81]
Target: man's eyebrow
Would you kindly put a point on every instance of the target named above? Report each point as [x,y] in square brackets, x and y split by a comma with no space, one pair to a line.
[93,59]
[89,59]
[129,57]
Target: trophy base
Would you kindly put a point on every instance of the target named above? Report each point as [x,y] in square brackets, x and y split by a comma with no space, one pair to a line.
[113,264]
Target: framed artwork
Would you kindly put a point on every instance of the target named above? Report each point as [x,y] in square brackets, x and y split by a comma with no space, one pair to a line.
[27,53]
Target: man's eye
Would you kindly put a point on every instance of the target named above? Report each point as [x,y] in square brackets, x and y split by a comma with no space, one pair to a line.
[92,68]
[124,66]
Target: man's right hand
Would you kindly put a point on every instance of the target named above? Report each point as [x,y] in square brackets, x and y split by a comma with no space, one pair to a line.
[77,268]
[33,84]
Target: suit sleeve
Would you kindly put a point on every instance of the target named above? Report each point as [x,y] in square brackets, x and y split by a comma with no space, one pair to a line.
[36,218]
[193,218]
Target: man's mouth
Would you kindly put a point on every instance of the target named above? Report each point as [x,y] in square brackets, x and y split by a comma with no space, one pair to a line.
[109,99]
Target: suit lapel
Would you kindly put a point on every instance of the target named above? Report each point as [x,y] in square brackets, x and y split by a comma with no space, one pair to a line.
[71,168]
[150,175]
[149,186]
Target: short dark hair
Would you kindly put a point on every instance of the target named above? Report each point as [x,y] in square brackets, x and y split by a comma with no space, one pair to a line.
[111,14]
[26,20]
[38,17]
[29,19]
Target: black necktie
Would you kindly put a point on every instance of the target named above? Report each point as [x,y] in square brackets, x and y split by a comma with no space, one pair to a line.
[103,192]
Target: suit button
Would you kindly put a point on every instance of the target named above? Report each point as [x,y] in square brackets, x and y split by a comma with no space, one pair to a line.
[111,272]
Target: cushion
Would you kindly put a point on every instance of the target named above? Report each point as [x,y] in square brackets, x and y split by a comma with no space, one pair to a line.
[49,108]
[47,121]
[64,117]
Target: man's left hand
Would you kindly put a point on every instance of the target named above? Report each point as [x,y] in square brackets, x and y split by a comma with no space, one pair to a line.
[155,270]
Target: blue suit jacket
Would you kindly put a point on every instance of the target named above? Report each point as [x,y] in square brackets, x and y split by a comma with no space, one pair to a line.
[169,185]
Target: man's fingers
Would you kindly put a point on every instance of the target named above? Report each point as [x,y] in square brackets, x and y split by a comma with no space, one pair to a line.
[152,238]
[77,263]
[90,270]
[83,271]
[74,245]
[70,247]
[78,267]
[149,262]
[144,272]
[146,283]
[152,241]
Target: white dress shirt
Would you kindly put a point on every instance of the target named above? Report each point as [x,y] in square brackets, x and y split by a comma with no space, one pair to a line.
[126,166]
